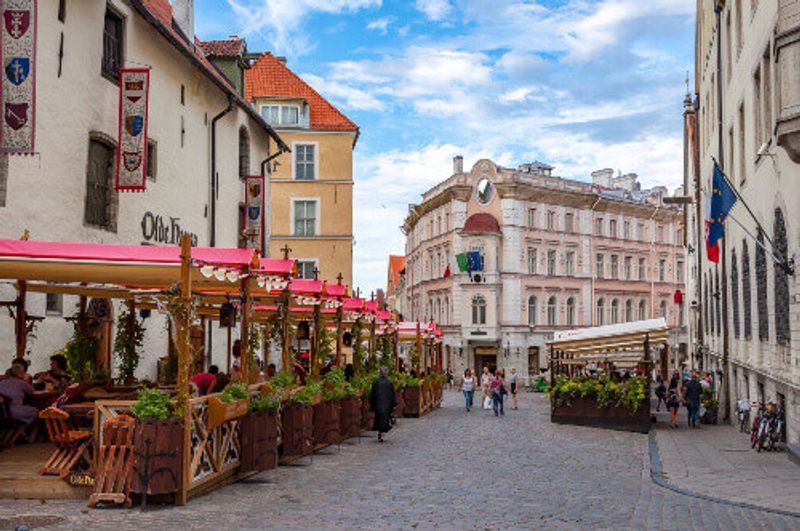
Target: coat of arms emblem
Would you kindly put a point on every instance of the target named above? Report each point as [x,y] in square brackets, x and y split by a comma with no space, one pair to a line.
[16,115]
[18,69]
[134,124]
[131,160]
[17,22]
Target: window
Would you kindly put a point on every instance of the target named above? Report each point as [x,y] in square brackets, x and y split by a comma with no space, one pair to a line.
[781,285]
[717,304]
[478,310]
[642,310]
[614,311]
[601,310]
[305,218]
[663,309]
[612,228]
[735,293]
[614,266]
[531,260]
[241,236]
[766,96]
[183,95]
[551,220]
[244,152]
[569,223]
[551,262]
[305,164]
[660,234]
[100,207]
[281,114]
[740,146]
[728,48]
[306,269]
[642,269]
[598,227]
[112,46]
[761,289]
[599,266]
[571,311]
[570,264]
[152,159]
[532,218]
[738,14]
[531,311]
[680,271]
[552,312]
[628,268]
[662,270]
[626,230]
[54,304]
[628,311]
[446,310]
[62,10]
[757,108]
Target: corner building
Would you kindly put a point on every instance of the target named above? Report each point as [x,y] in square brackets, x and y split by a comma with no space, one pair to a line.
[556,253]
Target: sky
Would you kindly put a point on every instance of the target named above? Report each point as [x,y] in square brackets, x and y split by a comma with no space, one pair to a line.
[578,84]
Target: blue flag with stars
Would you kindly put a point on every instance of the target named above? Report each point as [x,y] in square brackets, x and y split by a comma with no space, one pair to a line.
[722,200]
[474,262]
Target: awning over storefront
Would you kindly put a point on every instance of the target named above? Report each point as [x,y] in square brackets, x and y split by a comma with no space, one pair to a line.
[606,343]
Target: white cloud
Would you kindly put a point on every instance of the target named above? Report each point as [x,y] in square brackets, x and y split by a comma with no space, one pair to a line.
[280,22]
[434,9]
[349,97]
[381,25]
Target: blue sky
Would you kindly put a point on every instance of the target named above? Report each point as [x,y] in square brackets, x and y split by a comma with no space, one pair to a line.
[579,84]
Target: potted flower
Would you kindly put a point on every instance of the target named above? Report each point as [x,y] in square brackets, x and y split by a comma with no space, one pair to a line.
[228,405]
[157,442]
[259,433]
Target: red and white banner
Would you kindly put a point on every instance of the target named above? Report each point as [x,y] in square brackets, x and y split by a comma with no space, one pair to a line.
[254,212]
[18,89]
[134,89]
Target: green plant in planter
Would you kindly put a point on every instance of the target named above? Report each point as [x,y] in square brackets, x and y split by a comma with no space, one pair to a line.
[154,404]
[282,379]
[265,404]
[81,354]
[233,393]
[306,395]
[129,338]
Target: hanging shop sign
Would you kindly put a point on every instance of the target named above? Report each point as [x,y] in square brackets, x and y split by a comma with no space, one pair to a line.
[134,88]
[254,212]
[18,89]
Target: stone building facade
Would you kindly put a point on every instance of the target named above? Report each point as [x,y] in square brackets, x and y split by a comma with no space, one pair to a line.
[751,306]
[556,254]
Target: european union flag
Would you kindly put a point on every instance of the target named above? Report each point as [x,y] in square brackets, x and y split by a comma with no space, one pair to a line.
[722,200]
[474,262]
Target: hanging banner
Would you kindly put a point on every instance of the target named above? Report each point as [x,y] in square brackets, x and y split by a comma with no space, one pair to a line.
[254,212]
[18,90]
[134,87]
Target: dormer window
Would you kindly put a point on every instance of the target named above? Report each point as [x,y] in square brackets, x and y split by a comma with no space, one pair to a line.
[287,115]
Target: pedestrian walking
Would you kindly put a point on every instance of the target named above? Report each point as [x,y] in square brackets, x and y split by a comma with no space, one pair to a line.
[449,374]
[691,393]
[468,388]
[486,382]
[382,401]
[512,384]
[673,404]
[498,390]
[661,394]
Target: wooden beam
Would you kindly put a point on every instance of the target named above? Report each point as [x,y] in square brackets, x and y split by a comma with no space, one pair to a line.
[20,320]
[183,338]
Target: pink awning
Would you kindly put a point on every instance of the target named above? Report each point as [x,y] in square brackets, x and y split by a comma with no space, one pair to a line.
[305,286]
[273,266]
[353,305]
[371,306]
[335,290]
[383,315]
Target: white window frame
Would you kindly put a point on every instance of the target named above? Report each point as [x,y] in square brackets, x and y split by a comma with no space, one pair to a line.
[315,261]
[280,107]
[316,159]
[317,225]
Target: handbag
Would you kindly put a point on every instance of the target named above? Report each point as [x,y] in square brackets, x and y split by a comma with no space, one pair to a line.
[487,403]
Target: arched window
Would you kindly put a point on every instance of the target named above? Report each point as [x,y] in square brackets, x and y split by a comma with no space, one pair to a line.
[601,310]
[663,310]
[244,152]
[447,310]
[531,311]
[571,311]
[628,311]
[552,311]
[439,310]
[735,293]
[747,297]
[717,303]
[615,311]
[782,332]
[708,304]
[642,310]
[478,310]
[761,289]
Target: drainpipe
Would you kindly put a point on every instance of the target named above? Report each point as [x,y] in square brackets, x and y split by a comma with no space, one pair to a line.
[214,177]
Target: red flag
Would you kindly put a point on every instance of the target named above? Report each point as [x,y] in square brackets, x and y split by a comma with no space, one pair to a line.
[712,251]
[447,271]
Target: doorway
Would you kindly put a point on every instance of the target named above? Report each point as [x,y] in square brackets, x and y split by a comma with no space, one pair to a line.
[485,357]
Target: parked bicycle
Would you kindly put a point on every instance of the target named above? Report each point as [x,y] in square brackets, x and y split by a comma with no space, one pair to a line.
[743,412]
[769,428]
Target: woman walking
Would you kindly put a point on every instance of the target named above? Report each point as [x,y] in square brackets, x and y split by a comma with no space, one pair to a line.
[382,400]
[673,405]
[486,382]
[512,383]
[498,389]
[468,387]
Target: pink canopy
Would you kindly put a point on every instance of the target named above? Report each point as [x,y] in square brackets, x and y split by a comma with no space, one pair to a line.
[353,305]
[335,290]
[305,286]
[273,266]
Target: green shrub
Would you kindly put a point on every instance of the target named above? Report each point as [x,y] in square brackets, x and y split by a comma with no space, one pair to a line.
[306,394]
[282,379]
[233,392]
[265,404]
[154,404]
[606,392]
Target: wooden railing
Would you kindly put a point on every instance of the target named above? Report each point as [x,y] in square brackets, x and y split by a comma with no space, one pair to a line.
[214,453]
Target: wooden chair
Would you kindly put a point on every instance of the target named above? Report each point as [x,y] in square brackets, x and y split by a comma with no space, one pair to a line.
[71,445]
[114,460]
[12,430]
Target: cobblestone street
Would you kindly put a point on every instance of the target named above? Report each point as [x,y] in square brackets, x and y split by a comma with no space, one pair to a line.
[449,470]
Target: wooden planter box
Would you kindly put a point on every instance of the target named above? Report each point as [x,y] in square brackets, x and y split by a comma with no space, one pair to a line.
[367,415]
[157,456]
[400,404]
[259,441]
[220,412]
[586,412]
[326,422]
[350,417]
[412,399]
[297,429]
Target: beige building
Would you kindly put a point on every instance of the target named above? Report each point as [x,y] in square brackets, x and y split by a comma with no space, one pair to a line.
[311,188]
[749,303]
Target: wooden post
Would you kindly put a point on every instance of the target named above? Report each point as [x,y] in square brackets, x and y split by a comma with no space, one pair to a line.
[339,332]
[419,347]
[284,318]
[356,347]
[395,347]
[246,355]
[371,357]
[21,319]
[228,370]
[183,327]
[313,358]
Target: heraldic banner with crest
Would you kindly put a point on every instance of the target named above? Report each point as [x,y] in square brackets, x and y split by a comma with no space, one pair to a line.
[254,211]
[18,89]
[134,89]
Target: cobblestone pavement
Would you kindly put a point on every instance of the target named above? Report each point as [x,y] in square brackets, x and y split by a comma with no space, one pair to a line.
[717,461]
[448,470]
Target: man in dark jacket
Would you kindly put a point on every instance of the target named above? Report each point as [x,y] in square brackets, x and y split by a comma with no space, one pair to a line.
[691,393]
[382,402]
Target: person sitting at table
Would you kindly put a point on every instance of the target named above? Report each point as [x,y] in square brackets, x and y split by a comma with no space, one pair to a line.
[57,376]
[206,381]
[16,389]
[22,362]
[222,382]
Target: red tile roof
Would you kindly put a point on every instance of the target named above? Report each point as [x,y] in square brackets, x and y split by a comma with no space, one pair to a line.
[270,77]
[481,223]
[396,264]
[233,47]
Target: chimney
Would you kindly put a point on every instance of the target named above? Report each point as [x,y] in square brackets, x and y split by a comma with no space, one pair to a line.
[603,177]
[183,15]
[458,164]
[281,58]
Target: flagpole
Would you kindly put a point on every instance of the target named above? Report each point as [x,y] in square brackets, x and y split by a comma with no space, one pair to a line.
[778,260]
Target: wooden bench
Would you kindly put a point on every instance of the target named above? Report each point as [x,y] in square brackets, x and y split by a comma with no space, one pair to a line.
[72,446]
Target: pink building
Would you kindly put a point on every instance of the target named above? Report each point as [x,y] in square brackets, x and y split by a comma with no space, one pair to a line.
[556,254]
